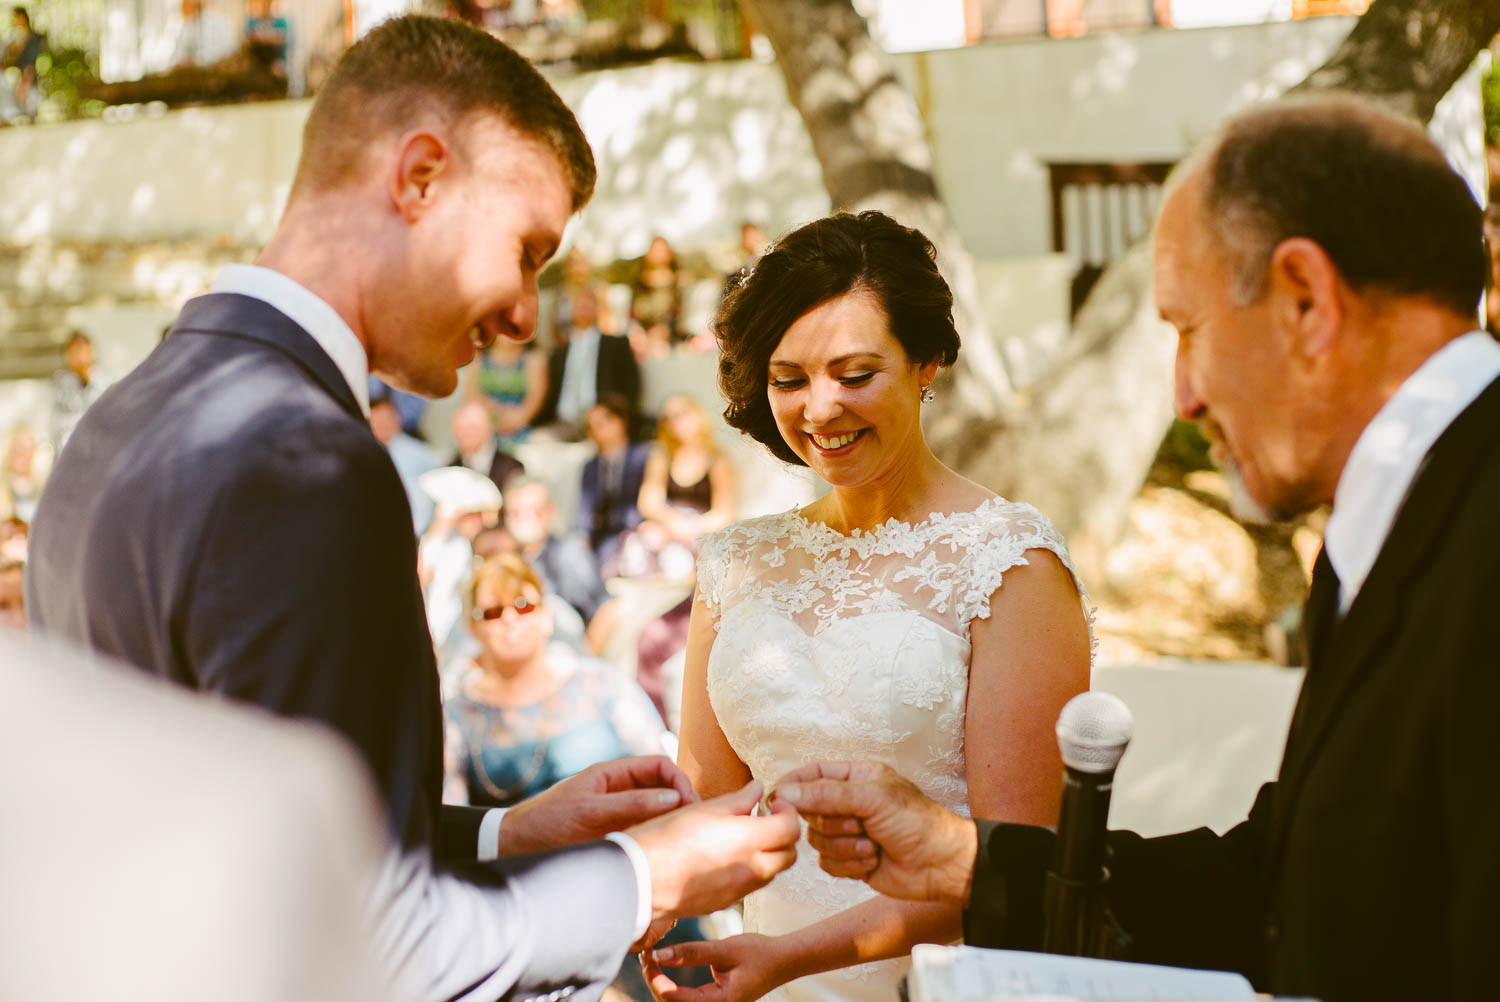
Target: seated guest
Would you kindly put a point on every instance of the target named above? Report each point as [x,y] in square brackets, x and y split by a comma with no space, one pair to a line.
[267,35]
[410,406]
[12,604]
[24,47]
[479,447]
[655,302]
[527,714]
[588,364]
[611,481]
[465,503]
[565,564]
[510,380]
[411,456]
[75,386]
[687,492]
[23,471]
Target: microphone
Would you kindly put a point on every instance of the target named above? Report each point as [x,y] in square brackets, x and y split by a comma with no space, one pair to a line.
[1092,732]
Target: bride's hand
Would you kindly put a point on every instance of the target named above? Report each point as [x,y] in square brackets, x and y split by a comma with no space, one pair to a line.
[745,967]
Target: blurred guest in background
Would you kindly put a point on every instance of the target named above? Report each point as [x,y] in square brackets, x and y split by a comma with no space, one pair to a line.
[14,536]
[75,386]
[479,448]
[465,503]
[23,471]
[611,481]
[267,36]
[687,491]
[411,456]
[588,364]
[12,602]
[22,50]
[410,406]
[565,564]
[510,380]
[527,714]
[655,301]
[752,244]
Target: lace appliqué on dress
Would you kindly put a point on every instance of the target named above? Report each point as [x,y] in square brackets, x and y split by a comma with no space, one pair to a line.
[834,647]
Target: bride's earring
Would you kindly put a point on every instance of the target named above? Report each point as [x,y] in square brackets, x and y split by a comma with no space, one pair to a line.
[928,394]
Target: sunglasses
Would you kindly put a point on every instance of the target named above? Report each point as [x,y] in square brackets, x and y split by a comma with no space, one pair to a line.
[523,606]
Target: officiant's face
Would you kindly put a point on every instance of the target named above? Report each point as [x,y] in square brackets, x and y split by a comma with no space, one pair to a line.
[1234,368]
[845,396]
[491,215]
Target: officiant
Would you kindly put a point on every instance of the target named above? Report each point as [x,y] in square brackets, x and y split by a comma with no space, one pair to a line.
[1322,264]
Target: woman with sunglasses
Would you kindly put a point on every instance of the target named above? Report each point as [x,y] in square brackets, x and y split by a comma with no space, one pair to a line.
[527,713]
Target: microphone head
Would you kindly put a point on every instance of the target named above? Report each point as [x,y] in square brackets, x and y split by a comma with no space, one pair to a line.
[1092,732]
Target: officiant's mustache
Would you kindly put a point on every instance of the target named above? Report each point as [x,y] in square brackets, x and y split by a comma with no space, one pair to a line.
[1241,504]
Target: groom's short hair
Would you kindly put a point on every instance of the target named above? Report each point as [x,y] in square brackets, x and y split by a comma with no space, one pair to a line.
[410,66]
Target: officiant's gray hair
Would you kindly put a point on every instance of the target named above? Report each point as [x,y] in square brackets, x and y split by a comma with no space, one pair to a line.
[1362,182]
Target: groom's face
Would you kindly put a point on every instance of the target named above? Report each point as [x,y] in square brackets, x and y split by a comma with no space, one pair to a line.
[471,253]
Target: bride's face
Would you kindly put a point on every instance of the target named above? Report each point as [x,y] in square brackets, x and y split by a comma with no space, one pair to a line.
[845,396]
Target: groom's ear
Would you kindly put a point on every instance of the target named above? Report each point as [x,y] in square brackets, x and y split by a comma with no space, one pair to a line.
[422,159]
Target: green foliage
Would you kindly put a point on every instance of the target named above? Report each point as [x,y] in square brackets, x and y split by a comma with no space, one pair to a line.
[1185,447]
[1490,86]
[61,71]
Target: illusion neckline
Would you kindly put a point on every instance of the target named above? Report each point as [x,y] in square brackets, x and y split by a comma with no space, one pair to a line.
[893,524]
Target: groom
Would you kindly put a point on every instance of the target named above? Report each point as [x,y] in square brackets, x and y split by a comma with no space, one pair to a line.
[225,519]
[1323,266]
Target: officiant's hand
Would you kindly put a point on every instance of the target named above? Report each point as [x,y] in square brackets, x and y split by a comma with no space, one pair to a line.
[744,967]
[607,797]
[870,823]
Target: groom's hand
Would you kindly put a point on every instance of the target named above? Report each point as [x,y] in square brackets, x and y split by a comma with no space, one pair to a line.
[603,798]
[869,823]
[709,855]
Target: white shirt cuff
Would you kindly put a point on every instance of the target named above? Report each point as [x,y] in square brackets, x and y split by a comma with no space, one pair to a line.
[642,868]
[489,835]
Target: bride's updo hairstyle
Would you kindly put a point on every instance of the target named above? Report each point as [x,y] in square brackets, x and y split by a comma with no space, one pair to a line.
[808,267]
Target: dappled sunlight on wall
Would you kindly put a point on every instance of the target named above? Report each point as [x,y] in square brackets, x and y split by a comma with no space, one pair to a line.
[689,151]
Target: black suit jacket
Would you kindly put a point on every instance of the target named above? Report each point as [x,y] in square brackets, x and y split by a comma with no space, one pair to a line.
[502,467]
[602,512]
[618,372]
[1371,868]
[224,518]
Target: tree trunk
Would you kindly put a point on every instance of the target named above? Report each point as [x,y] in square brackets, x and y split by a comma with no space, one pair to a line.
[1408,53]
[1079,443]
[871,142]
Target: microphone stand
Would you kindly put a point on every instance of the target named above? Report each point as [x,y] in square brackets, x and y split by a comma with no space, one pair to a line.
[1079,922]
[1092,733]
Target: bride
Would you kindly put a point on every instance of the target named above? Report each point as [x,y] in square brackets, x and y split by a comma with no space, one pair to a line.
[909,615]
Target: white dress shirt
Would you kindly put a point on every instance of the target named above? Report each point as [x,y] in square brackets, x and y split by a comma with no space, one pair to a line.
[1390,452]
[334,336]
[580,379]
[340,343]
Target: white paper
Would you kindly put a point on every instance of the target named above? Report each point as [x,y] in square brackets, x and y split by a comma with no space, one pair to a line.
[970,974]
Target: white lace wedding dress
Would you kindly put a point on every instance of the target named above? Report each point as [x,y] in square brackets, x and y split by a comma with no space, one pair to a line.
[852,647]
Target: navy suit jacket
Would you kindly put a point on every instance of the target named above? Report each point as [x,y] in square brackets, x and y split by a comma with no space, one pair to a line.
[224,518]
[600,517]
[1369,869]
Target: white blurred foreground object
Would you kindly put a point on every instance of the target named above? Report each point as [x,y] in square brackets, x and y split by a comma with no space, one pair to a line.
[970,974]
[460,490]
[158,845]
